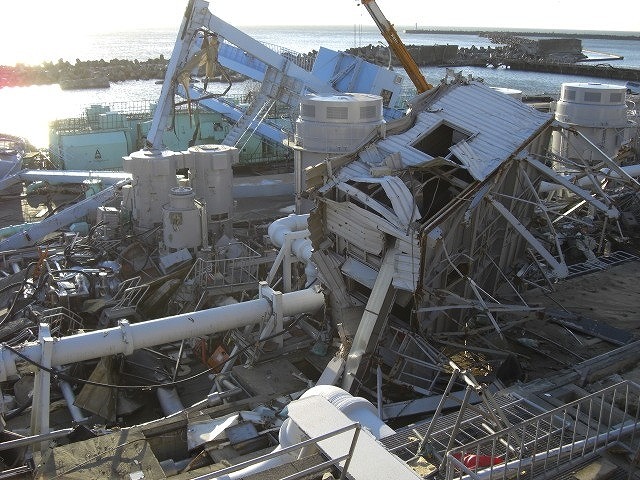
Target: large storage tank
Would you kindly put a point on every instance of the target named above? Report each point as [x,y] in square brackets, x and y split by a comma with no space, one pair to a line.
[92,151]
[596,110]
[211,177]
[154,174]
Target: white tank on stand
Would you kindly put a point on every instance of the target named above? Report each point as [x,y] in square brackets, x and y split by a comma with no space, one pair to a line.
[596,110]
[331,125]
[154,174]
[181,220]
[211,177]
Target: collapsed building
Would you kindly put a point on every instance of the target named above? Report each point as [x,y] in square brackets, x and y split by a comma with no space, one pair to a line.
[410,233]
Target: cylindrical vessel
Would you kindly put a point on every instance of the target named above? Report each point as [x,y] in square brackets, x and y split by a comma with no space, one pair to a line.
[337,123]
[154,174]
[331,125]
[211,177]
[181,225]
[596,110]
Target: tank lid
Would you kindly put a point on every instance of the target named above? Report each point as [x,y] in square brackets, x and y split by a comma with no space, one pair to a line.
[593,85]
[181,191]
[341,97]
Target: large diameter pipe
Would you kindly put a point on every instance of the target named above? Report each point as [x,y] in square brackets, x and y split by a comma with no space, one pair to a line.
[57,177]
[129,337]
[302,248]
[69,397]
[356,409]
[169,400]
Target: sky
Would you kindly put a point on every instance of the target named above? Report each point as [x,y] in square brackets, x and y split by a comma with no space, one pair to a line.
[66,16]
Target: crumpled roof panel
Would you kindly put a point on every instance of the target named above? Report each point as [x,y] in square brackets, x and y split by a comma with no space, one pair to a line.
[497,125]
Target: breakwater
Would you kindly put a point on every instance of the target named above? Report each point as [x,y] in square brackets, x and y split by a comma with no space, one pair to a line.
[551,55]
[562,56]
[83,74]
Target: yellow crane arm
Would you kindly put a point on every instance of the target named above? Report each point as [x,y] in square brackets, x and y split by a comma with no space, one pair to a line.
[395,44]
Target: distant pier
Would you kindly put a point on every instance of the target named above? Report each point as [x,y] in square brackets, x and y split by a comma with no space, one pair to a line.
[599,71]
[482,33]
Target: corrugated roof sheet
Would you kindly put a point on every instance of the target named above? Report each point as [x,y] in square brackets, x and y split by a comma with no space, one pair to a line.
[355,224]
[498,125]
[401,199]
[406,272]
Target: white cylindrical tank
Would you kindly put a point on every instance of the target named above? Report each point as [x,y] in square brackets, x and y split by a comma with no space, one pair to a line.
[154,174]
[211,177]
[337,123]
[331,125]
[181,220]
[596,110]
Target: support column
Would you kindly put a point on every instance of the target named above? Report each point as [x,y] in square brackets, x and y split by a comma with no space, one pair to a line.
[42,388]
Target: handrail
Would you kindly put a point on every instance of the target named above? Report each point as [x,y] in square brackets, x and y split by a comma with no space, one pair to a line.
[294,448]
[578,429]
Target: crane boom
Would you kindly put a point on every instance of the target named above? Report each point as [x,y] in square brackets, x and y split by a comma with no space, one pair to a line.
[395,43]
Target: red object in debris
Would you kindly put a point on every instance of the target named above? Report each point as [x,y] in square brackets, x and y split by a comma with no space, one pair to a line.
[475,461]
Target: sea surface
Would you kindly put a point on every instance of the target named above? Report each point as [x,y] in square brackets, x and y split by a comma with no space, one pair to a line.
[27,111]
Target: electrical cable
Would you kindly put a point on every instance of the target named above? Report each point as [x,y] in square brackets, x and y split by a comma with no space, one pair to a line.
[17,295]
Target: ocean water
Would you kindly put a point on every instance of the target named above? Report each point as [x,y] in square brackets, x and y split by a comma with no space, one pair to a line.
[27,111]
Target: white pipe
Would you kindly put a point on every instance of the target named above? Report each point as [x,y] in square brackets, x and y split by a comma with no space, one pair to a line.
[631,170]
[302,248]
[128,337]
[37,231]
[69,397]
[56,177]
[356,409]
[169,401]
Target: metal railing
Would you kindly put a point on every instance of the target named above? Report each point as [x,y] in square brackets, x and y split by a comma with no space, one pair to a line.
[554,441]
[241,269]
[295,449]
[62,321]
